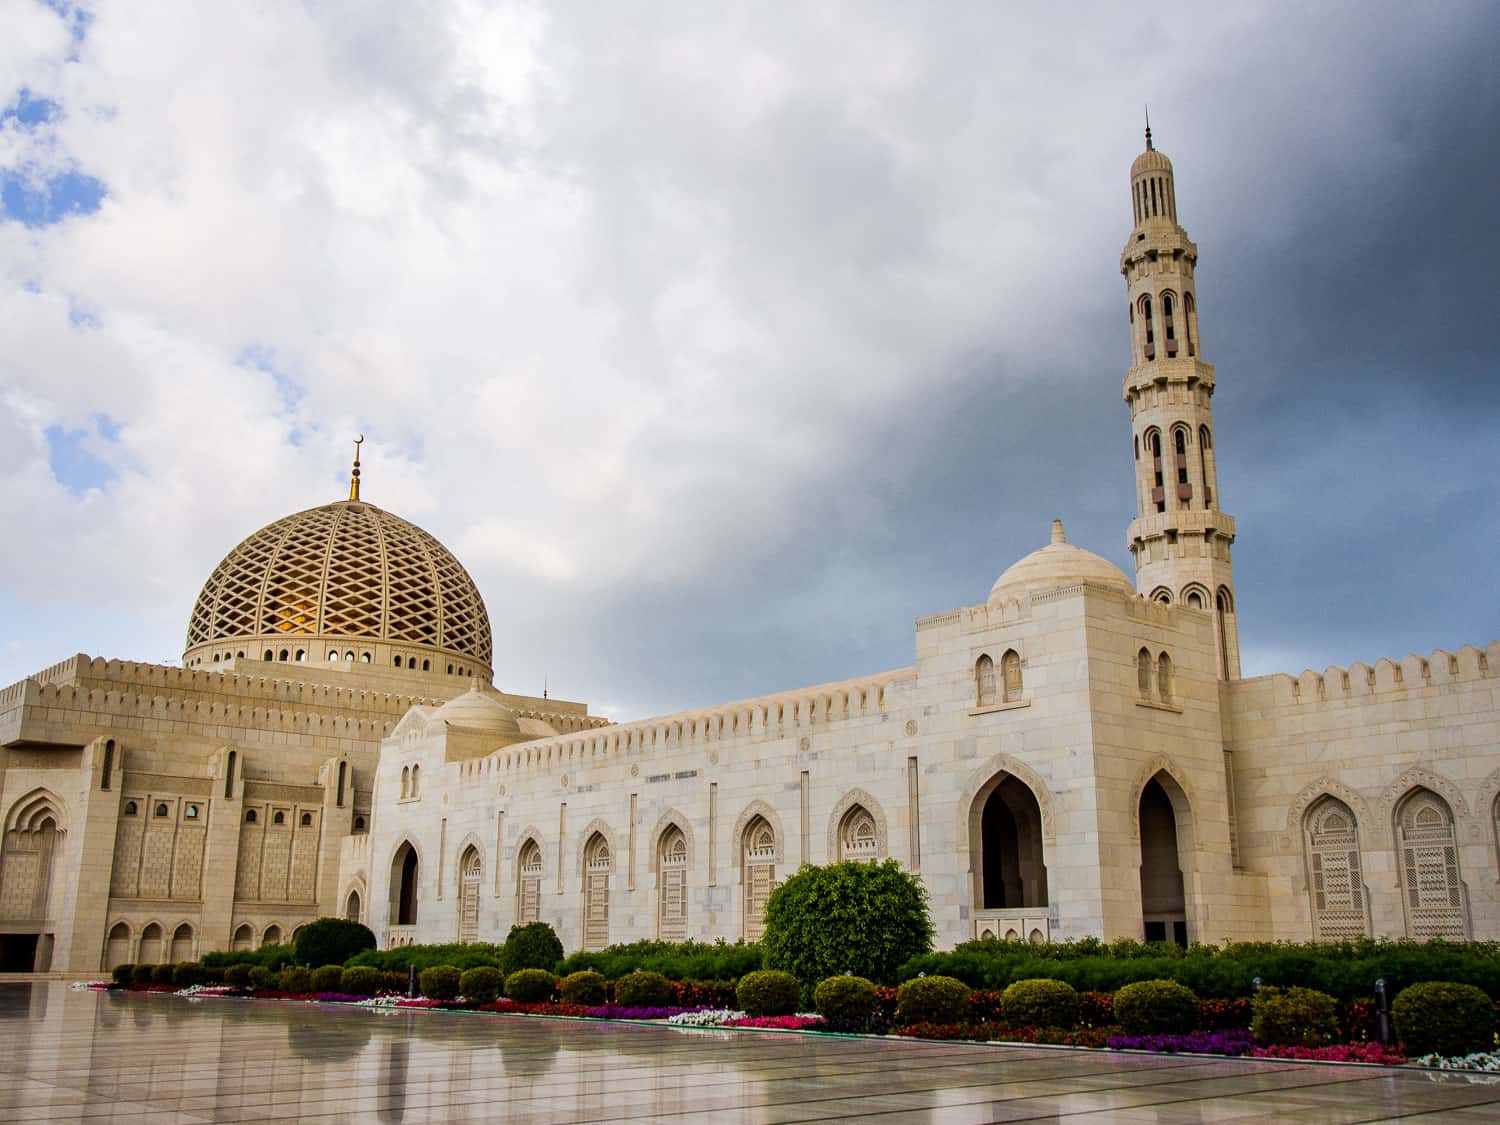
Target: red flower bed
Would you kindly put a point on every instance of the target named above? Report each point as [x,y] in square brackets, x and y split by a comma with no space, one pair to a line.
[1339,1052]
[1096,1009]
[150,988]
[703,994]
[990,1029]
[1224,1015]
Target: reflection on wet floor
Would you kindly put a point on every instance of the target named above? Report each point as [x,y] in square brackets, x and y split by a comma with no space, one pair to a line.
[68,1056]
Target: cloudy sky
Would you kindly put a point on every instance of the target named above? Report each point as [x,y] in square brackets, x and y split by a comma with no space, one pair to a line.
[719,341]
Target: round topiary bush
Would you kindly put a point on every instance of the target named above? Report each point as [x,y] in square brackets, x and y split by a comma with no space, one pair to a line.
[768,992]
[481,985]
[123,974]
[643,990]
[1156,1007]
[846,1002]
[142,974]
[530,986]
[1294,1017]
[162,974]
[439,982]
[1442,1018]
[294,978]
[331,941]
[532,946]
[264,979]
[1039,1003]
[188,973]
[932,1000]
[238,976]
[859,918]
[361,980]
[328,978]
[587,988]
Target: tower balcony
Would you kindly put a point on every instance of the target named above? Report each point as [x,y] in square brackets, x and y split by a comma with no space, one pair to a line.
[1182,521]
[1181,368]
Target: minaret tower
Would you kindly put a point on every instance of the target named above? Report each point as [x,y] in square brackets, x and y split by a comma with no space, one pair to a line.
[1180,538]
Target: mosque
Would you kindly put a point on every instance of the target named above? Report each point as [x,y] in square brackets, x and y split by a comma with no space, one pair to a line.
[1075,755]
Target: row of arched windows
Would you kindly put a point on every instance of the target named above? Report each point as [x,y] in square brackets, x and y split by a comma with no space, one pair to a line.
[411,777]
[278,817]
[299,656]
[1154,675]
[1182,462]
[858,838]
[1426,865]
[152,948]
[987,692]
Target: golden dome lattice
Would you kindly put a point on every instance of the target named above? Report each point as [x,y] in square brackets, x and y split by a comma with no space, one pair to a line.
[349,571]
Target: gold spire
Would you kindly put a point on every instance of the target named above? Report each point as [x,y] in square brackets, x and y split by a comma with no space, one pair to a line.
[354,476]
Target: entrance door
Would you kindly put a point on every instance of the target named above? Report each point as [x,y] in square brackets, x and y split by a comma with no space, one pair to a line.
[17,953]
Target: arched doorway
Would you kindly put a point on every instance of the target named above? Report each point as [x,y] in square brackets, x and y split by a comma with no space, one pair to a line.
[150,952]
[1163,904]
[671,886]
[117,947]
[351,907]
[403,911]
[596,864]
[470,870]
[272,936]
[182,944]
[1009,868]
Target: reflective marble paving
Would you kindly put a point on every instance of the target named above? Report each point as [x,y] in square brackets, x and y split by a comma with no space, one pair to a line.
[70,1056]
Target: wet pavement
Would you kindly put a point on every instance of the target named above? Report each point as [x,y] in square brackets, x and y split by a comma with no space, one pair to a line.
[95,1056]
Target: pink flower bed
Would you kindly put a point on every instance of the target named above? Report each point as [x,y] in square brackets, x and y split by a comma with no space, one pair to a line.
[1340,1052]
[780,1023]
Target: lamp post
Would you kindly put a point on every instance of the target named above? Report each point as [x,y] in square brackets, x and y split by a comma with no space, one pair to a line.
[1382,1012]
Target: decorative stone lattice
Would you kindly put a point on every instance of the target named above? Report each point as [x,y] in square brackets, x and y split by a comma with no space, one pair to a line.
[346,570]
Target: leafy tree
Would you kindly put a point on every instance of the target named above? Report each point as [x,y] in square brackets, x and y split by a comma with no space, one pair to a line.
[532,946]
[859,918]
[331,941]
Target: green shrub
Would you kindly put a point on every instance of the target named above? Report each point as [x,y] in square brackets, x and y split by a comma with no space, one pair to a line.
[439,982]
[271,956]
[238,976]
[1294,1017]
[294,978]
[141,974]
[846,1002]
[1440,1017]
[361,980]
[862,918]
[189,973]
[643,990]
[264,979]
[123,974]
[1156,1007]
[687,960]
[532,946]
[461,955]
[162,974]
[481,985]
[331,941]
[327,978]
[932,1000]
[530,986]
[1039,1003]
[589,989]
[766,992]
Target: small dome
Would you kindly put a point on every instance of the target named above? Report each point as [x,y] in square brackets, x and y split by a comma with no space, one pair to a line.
[477,710]
[1059,563]
[1150,161]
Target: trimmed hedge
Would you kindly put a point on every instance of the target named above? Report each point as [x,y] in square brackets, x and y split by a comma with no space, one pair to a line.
[294,978]
[271,956]
[327,978]
[688,960]
[439,982]
[264,979]
[861,918]
[937,1000]
[530,986]
[586,988]
[361,980]
[238,976]
[458,954]
[1440,1017]
[481,985]
[846,1002]
[141,974]
[1347,971]
[532,946]
[766,992]
[123,974]
[1156,1007]
[331,941]
[1295,1017]
[1039,1003]
[643,990]
[162,974]
[188,973]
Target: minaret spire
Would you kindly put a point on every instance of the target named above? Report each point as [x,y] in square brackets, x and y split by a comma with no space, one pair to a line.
[1180,537]
[1149,147]
[354,473]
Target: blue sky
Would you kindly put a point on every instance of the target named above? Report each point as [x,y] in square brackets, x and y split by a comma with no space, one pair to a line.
[719,347]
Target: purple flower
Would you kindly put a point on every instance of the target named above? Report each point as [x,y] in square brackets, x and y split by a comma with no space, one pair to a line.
[1197,1042]
[611,1012]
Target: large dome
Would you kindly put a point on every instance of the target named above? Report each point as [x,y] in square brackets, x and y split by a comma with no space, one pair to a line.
[346,581]
[1059,563]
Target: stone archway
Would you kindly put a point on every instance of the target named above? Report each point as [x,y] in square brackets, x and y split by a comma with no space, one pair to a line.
[1007,860]
[1165,838]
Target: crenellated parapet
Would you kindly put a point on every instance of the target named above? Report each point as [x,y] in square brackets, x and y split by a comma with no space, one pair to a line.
[763,718]
[1386,675]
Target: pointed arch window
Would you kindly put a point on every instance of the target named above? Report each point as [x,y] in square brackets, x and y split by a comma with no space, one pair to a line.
[1158,488]
[1010,668]
[984,681]
[671,884]
[1143,672]
[470,871]
[759,867]
[529,883]
[1335,874]
[1205,444]
[1150,324]
[597,867]
[859,839]
[1189,322]
[1429,868]
[1169,327]
[1164,677]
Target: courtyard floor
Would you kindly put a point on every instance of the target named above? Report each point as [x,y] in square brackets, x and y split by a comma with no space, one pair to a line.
[97,1056]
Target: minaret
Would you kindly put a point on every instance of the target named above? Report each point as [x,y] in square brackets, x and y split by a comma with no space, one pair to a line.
[1180,538]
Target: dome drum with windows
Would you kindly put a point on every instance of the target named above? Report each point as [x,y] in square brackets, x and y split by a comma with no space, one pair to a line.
[342,583]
